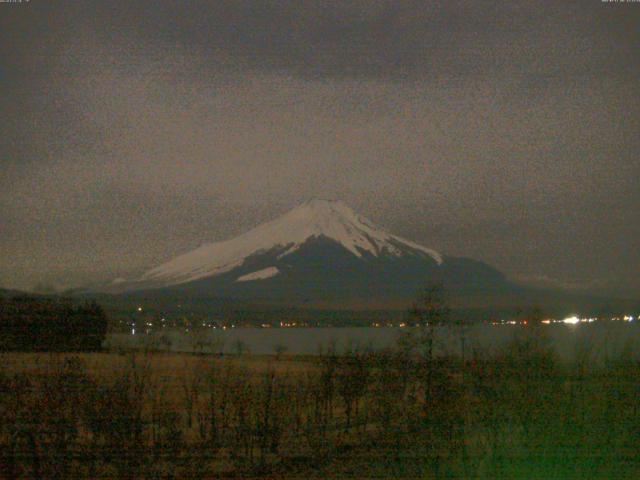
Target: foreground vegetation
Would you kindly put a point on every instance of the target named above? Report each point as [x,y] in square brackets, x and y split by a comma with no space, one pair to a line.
[51,324]
[512,413]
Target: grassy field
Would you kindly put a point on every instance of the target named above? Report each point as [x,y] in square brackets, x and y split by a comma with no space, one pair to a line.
[515,413]
[170,366]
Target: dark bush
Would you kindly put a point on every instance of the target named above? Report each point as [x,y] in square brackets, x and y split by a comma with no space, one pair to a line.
[37,324]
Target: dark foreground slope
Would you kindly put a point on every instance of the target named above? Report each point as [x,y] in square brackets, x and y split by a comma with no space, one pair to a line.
[323,281]
[322,273]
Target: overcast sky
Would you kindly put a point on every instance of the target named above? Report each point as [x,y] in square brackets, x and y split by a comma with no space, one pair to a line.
[133,131]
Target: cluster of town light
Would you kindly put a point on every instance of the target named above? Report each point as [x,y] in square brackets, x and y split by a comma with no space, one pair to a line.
[570,320]
[288,324]
[574,319]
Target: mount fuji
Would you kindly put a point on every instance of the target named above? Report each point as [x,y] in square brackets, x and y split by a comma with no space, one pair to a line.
[321,253]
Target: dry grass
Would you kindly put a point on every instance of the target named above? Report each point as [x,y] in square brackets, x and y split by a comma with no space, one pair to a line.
[167,369]
[102,364]
[391,414]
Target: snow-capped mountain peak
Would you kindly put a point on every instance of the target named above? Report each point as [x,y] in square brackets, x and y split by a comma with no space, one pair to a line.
[312,219]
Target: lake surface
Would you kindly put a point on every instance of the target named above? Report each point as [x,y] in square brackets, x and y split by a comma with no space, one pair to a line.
[604,339]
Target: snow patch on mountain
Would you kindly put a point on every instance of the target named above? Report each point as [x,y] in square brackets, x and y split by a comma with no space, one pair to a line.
[259,275]
[288,233]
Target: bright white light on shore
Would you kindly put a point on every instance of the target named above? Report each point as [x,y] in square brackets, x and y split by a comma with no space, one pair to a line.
[139,309]
[571,320]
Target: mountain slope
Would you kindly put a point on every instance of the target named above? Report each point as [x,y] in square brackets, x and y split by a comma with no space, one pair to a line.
[313,219]
[320,253]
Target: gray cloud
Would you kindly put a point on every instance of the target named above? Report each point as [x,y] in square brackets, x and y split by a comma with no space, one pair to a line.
[137,130]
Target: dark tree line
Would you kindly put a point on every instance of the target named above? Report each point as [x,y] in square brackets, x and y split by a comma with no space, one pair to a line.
[38,324]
